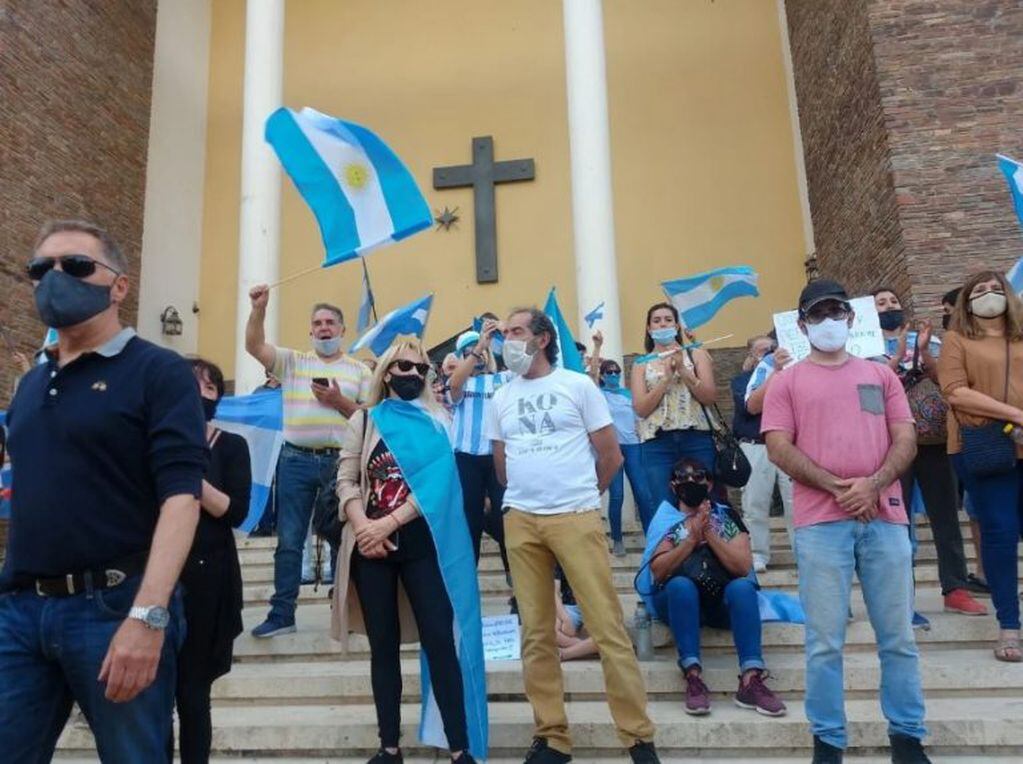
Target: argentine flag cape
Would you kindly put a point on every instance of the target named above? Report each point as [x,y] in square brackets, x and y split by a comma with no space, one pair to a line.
[774,606]
[421,448]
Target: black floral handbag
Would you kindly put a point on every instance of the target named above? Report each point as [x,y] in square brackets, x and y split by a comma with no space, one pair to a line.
[987,450]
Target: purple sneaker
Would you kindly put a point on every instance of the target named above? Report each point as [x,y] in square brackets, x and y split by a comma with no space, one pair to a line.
[755,695]
[697,695]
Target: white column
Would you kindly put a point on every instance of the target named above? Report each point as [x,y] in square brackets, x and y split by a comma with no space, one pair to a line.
[596,273]
[259,224]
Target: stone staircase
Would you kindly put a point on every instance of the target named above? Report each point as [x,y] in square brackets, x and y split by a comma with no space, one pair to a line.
[297,699]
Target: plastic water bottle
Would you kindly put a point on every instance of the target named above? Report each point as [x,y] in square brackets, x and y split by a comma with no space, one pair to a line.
[1015,432]
[641,629]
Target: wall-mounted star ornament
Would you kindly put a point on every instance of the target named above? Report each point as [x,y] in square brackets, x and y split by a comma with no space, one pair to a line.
[446,219]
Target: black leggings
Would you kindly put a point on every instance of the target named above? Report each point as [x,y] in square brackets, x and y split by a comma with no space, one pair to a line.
[193,700]
[479,481]
[376,582]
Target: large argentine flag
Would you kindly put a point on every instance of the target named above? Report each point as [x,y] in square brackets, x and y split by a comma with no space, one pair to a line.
[697,298]
[361,193]
[1013,172]
[1015,277]
[409,319]
[568,353]
[259,419]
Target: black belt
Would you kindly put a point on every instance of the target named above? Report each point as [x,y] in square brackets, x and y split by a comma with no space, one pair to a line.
[87,580]
[331,451]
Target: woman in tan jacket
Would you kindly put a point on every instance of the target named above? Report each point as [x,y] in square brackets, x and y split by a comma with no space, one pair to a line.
[406,564]
[981,375]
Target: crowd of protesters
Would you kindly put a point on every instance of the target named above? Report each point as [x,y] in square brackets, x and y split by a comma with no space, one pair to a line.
[418,460]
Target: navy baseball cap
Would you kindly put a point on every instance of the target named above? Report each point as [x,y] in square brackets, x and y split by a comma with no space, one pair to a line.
[819,291]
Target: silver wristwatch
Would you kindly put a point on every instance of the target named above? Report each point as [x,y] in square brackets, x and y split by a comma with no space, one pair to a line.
[155,617]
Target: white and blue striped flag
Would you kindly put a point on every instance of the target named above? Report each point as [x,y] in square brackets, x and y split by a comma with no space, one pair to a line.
[366,303]
[568,355]
[259,419]
[1013,172]
[408,319]
[595,315]
[697,298]
[361,193]
[1015,277]
[50,338]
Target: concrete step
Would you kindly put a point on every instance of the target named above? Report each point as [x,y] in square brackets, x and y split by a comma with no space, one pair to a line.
[947,673]
[593,757]
[956,725]
[312,640]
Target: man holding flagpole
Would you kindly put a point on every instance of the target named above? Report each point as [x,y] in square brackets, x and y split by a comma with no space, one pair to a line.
[555,449]
[322,389]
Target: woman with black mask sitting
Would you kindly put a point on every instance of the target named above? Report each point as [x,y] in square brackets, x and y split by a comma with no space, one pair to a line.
[698,569]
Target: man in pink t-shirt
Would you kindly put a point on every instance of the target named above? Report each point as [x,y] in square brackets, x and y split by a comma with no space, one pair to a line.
[841,428]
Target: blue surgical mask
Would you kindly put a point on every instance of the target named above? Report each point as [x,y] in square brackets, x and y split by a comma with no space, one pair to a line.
[665,335]
[612,380]
[327,347]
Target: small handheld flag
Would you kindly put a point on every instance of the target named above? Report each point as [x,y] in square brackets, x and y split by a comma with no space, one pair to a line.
[408,319]
[568,355]
[1013,172]
[698,298]
[595,315]
[361,193]
[367,306]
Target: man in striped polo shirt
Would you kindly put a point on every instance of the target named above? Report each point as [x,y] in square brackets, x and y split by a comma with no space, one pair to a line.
[472,387]
[322,388]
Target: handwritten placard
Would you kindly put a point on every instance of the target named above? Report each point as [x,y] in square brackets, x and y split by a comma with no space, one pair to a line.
[865,337]
[501,638]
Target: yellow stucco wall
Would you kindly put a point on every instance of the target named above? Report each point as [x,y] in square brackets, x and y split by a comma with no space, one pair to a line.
[701,150]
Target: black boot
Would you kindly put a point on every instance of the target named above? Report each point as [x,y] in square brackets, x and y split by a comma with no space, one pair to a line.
[907,750]
[824,753]
[464,758]
[644,753]
[541,753]
[383,757]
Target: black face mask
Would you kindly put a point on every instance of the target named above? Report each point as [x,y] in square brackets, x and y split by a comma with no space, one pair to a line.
[63,300]
[692,494]
[408,386]
[891,320]
[209,408]
[946,321]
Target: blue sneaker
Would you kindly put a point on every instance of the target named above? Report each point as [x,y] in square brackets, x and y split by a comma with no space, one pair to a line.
[921,622]
[272,628]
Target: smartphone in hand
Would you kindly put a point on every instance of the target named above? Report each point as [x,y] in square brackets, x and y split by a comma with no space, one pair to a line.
[323,381]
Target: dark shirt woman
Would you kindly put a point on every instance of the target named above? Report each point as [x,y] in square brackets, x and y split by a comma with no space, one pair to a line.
[212,577]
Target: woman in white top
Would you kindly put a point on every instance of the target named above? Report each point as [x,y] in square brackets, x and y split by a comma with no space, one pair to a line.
[670,386]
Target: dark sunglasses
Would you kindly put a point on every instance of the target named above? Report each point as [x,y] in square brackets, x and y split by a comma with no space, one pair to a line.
[407,366]
[79,266]
[692,476]
[612,371]
[834,311]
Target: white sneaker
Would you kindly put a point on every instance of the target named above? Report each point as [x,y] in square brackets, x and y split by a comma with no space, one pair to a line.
[759,564]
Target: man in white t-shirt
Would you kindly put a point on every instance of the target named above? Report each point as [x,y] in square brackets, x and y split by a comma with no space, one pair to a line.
[556,450]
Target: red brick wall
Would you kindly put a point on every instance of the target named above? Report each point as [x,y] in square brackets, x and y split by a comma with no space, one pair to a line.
[75,81]
[903,104]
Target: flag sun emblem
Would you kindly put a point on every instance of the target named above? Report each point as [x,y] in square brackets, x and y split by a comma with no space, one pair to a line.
[717,282]
[356,175]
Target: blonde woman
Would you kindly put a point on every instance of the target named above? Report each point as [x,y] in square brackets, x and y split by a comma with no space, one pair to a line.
[406,571]
[981,375]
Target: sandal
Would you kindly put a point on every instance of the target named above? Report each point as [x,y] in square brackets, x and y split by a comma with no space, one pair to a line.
[1008,649]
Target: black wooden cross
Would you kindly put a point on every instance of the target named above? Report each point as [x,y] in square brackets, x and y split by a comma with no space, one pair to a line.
[482,175]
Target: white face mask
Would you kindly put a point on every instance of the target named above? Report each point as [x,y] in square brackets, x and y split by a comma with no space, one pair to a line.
[829,335]
[327,347]
[516,358]
[989,305]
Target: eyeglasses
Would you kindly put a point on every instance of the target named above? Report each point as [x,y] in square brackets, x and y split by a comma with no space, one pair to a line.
[692,476]
[407,366]
[79,266]
[836,311]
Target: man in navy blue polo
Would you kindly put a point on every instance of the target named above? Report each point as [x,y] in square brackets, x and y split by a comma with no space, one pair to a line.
[108,454]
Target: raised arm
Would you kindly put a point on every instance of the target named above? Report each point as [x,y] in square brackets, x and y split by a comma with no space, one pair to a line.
[645,402]
[255,335]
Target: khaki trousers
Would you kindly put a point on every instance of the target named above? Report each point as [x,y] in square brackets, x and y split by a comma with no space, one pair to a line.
[576,541]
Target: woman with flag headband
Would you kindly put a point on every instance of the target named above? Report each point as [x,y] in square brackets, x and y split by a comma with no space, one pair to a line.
[405,570]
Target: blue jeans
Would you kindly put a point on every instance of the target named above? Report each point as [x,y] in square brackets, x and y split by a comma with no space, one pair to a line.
[633,469]
[879,553]
[301,475]
[661,453]
[678,605]
[998,505]
[51,651]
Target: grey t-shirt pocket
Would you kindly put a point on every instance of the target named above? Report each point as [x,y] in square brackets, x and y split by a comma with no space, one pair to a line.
[871,398]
